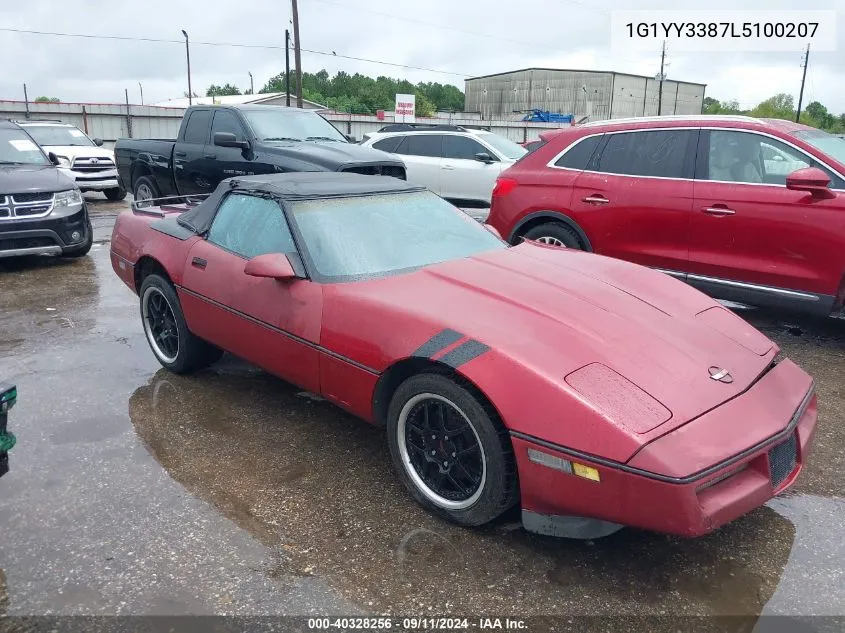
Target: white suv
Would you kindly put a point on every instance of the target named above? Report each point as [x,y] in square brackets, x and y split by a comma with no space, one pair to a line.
[457,163]
[80,157]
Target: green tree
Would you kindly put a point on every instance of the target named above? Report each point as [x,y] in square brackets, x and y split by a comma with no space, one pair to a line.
[47,100]
[221,91]
[781,106]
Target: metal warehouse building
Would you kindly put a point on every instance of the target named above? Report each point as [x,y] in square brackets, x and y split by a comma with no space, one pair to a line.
[596,94]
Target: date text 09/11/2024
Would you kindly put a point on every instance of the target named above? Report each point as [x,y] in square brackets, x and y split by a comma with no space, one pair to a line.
[418,624]
[722,29]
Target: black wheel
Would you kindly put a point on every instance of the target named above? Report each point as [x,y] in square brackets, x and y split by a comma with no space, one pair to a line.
[116,194]
[145,189]
[82,250]
[451,452]
[556,234]
[173,344]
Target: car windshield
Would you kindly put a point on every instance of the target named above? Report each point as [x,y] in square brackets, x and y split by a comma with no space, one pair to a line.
[380,234]
[17,148]
[291,125]
[505,147]
[58,135]
[831,145]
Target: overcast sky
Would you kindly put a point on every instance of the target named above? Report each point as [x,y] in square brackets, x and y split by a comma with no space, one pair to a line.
[468,37]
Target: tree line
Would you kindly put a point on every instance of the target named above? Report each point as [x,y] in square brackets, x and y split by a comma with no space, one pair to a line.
[782,106]
[360,94]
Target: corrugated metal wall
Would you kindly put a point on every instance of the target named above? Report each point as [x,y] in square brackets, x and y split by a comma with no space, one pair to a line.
[597,95]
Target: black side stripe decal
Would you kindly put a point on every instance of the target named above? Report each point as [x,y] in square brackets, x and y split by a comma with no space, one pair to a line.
[438,343]
[464,353]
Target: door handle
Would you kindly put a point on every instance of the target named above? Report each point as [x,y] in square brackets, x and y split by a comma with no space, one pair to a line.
[211,156]
[199,262]
[180,154]
[448,168]
[718,211]
[595,199]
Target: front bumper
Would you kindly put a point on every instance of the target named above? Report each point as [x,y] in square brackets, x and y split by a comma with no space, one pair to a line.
[94,181]
[50,235]
[689,504]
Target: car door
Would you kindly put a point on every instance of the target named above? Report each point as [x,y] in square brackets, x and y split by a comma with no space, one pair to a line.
[274,324]
[463,177]
[750,233]
[421,154]
[191,169]
[634,200]
[226,162]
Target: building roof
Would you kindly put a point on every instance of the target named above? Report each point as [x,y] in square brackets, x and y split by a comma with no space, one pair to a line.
[576,70]
[233,100]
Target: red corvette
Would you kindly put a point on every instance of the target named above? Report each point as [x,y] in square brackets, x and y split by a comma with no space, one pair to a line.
[593,392]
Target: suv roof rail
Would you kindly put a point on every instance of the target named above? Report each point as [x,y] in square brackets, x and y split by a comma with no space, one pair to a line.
[434,127]
[40,121]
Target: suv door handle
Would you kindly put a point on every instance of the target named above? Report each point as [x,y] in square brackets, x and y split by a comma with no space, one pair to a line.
[449,167]
[720,211]
[211,156]
[595,199]
[180,154]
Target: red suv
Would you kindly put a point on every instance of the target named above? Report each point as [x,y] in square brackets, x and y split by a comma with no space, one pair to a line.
[749,210]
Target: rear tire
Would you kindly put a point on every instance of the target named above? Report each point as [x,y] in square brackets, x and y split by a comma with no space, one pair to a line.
[115,195]
[145,189]
[166,330]
[555,234]
[437,462]
[81,251]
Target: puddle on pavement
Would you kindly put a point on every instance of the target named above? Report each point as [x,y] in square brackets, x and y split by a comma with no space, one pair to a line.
[316,486]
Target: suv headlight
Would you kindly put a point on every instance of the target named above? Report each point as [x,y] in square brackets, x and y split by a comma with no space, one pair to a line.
[69,198]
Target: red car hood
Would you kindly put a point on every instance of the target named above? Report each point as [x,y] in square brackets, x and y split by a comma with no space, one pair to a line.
[557,311]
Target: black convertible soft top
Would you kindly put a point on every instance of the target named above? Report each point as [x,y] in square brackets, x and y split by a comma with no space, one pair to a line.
[293,186]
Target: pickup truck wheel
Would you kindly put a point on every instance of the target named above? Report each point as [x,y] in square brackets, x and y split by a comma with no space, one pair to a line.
[81,251]
[555,234]
[116,194]
[172,343]
[145,189]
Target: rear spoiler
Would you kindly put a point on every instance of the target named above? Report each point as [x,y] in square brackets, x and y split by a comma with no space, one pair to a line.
[160,206]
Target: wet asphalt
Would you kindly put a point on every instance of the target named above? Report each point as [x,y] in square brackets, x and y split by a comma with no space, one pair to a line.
[135,491]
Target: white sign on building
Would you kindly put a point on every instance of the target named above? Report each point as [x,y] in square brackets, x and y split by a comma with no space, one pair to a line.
[405,108]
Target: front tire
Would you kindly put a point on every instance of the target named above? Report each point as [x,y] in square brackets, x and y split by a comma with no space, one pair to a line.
[450,450]
[115,195]
[166,330]
[555,234]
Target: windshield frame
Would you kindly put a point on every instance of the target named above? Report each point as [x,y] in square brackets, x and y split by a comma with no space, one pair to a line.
[29,129]
[281,113]
[314,273]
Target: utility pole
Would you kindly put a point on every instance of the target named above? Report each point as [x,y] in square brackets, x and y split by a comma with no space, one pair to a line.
[251,84]
[803,79]
[142,92]
[297,57]
[26,101]
[188,54]
[660,88]
[287,67]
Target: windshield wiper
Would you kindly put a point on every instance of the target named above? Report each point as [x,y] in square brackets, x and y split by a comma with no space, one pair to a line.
[322,138]
[282,138]
[12,162]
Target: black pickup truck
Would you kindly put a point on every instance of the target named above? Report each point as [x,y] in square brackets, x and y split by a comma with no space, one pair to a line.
[217,142]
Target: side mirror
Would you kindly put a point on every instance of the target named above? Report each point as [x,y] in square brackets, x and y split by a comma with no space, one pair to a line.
[350,138]
[53,158]
[272,265]
[493,230]
[810,179]
[227,139]
[98,142]
[484,157]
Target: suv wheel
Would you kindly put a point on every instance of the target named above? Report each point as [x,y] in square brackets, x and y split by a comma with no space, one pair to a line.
[556,234]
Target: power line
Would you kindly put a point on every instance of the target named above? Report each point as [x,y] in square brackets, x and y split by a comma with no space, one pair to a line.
[458,29]
[229,44]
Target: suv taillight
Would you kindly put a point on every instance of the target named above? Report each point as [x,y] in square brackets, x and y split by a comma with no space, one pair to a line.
[504,186]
